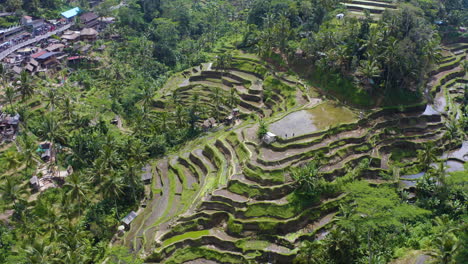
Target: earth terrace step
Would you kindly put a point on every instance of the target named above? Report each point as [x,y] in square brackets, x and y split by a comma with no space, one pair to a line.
[251,107]
[250,97]
[239,201]
[227,150]
[223,241]
[383,114]
[234,70]
[251,77]
[194,169]
[153,211]
[180,181]
[220,74]
[195,159]
[265,225]
[371,9]
[309,231]
[211,253]
[449,65]
[457,47]
[438,84]
[242,151]
[220,161]
[335,145]
[374,3]
[242,186]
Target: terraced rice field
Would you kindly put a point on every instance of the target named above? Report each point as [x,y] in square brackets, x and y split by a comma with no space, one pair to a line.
[229,198]
[357,8]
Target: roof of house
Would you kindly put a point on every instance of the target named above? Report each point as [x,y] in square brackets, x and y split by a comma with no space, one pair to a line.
[47,55]
[146,176]
[71,13]
[72,36]
[29,68]
[129,218]
[17,70]
[27,17]
[85,48]
[34,180]
[75,58]
[55,47]
[39,53]
[33,62]
[86,17]
[88,32]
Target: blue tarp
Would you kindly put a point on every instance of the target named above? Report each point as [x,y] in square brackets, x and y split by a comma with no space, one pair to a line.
[71,13]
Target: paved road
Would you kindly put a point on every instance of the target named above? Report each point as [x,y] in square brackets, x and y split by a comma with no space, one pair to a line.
[31,41]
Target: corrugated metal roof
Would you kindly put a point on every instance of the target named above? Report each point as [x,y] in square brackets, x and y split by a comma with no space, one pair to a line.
[129,218]
[71,13]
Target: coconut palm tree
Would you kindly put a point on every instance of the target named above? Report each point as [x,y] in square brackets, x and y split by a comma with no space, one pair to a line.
[368,69]
[427,156]
[112,187]
[12,191]
[12,159]
[9,94]
[78,189]
[40,252]
[26,88]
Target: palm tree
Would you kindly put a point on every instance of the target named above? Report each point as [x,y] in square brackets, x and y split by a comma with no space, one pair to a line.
[51,98]
[41,252]
[368,69]
[233,100]
[446,244]
[180,116]
[50,128]
[78,189]
[67,108]
[112,187]
[216,96]
[12,159]
[28,149]
[12,191]
[427,156]
[26,89]
[9,94]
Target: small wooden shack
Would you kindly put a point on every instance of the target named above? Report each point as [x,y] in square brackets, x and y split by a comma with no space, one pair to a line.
[129,219]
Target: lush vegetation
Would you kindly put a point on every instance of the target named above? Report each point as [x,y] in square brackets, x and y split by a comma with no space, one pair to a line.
[361,61]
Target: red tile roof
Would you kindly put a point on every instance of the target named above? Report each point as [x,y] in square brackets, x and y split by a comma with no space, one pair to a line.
[38,54]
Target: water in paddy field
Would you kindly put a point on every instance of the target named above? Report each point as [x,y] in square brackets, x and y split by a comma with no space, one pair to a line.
[321,117]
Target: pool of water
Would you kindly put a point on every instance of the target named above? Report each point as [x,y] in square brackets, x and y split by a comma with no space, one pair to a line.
[453,165]
[430,110]
[461,153]
[414,176]
[308,121]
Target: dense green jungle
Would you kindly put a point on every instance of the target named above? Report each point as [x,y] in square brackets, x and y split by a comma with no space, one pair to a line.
[233,131]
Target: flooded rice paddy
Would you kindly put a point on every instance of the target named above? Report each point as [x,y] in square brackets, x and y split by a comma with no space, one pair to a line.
[321,117]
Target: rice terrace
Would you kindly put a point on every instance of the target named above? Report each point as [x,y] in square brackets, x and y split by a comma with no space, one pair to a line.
[241,131]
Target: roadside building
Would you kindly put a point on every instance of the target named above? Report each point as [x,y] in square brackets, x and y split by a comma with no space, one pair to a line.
[89,19]
[89,34]
[71,14]
[26,20]
[48,59]
[55,47]
[71,36]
